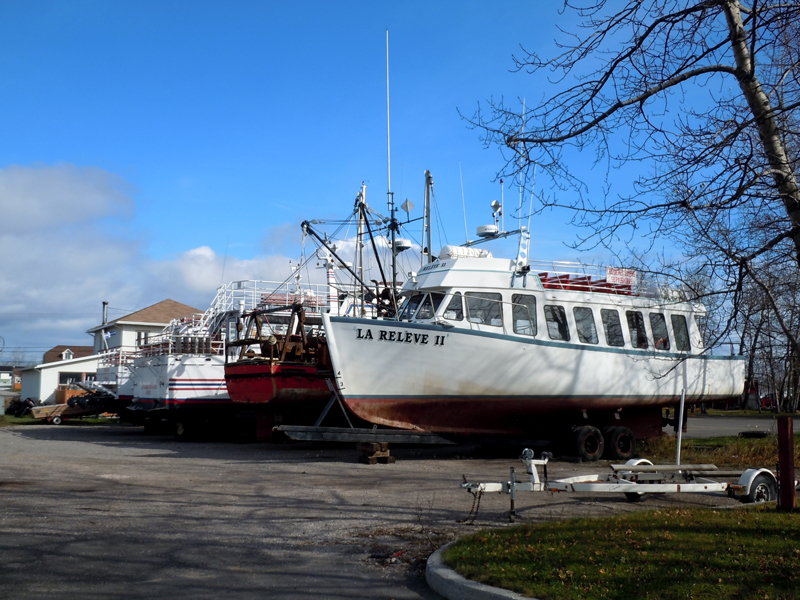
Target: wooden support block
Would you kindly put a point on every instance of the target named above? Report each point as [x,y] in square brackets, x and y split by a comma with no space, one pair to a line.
[371,453]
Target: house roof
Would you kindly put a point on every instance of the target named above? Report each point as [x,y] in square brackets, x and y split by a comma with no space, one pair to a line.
[54,354]
[160,313]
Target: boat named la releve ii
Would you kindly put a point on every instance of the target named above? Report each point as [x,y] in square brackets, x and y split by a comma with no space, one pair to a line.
[484,345]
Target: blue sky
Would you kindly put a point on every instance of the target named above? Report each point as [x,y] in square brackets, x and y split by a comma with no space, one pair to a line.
[146,144]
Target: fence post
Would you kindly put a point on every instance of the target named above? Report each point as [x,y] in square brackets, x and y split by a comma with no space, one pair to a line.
[786,498]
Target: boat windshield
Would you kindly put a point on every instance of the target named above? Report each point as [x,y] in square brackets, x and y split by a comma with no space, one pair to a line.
[430,305]
[410,307]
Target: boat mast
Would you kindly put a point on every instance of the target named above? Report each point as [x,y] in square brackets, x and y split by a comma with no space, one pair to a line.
[359,259]
[426,220]
[390,196]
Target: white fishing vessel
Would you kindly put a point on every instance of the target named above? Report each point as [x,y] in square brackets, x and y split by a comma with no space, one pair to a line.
[484,345]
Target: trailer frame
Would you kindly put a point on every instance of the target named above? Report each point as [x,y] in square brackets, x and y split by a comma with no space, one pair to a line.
[637,479]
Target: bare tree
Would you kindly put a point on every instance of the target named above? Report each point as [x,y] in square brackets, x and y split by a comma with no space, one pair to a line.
[702,97]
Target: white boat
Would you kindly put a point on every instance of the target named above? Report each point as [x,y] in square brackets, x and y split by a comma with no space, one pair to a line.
[485,345]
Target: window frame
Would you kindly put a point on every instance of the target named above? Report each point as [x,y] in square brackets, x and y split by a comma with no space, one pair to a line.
[516,305]
[548,308]
[591,320]
[482,296]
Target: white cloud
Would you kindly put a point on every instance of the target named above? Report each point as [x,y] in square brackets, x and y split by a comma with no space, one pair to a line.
[63,261]
[35,197]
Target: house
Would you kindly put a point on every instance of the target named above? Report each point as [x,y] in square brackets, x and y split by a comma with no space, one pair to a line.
[136,328]
[65,365]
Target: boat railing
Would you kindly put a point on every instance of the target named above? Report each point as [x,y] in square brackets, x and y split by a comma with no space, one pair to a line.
[170,344]
[563,275]
[121,356]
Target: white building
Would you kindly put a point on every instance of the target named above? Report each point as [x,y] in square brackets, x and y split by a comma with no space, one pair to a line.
[65,365]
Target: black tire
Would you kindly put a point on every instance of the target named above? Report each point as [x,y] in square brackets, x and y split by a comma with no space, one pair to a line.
[82,402]
[71,402]
[589,443]
[636,496]
[57,420]
[620,443]
[763,489]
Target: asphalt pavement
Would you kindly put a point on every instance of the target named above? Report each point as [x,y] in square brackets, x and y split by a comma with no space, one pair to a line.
[107,511]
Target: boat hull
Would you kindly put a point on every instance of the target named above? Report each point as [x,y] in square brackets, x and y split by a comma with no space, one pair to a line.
[265,383]
[466,381]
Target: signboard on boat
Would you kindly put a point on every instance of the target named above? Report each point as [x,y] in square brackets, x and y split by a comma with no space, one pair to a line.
[619,276]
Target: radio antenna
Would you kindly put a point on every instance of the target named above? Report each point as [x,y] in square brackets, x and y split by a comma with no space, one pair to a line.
[390,196]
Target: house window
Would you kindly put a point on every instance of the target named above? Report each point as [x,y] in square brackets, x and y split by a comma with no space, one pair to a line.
[67,354]
[141,337]
[65,378]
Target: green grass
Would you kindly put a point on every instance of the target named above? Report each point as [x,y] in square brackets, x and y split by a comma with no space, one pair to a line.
[764,414]
[662,554]
[721,451]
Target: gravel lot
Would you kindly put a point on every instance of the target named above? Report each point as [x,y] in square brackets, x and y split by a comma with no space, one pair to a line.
[105,511]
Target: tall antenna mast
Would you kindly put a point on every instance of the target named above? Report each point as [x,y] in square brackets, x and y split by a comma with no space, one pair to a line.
[390,196]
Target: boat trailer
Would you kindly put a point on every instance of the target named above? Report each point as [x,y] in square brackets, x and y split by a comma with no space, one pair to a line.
[637,479]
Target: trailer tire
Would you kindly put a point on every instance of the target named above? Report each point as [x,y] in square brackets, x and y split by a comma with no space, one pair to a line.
[589,443]
[763,489]
[57,420]
[636,496]
[620,443]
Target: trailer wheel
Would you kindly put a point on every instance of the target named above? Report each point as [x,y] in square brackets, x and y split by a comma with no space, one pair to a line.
[763,489]
[636,496]
[589,443]
[620,443]
[57,420]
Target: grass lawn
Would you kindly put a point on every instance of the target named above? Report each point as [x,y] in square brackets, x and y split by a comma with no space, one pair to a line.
[745,553]
[721,451]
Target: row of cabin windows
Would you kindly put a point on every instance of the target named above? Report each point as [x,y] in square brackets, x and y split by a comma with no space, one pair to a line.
[486,308]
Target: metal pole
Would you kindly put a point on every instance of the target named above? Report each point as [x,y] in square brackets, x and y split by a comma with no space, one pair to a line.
[512,515]
[786,496]
[680,427]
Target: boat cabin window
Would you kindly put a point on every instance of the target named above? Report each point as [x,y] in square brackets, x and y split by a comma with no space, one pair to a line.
[681,332]
[411,306]
[430,305]
[584,323]
[659,326]
[485,308]
[612,327]
[524,313]
[455,309]
[636,327]
[556,318]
